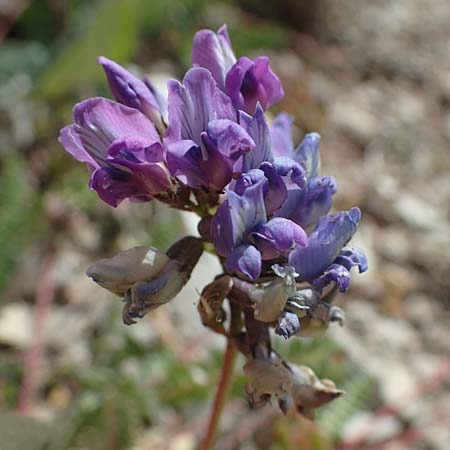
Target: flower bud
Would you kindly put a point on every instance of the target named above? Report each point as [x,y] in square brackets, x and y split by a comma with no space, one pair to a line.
[271,299]
[146,277]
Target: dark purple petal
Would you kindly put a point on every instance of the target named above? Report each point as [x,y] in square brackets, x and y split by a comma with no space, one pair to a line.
[230,138]
[131,91]
[99,122]
[277,191]
[288,324]
[281,135]
[258,130]
[354,256]
[245,260]
[308,154]
[145,161]
[114,185]
[249,82]
[306,206]
[325,243]
[334,274]
[213,52]
[276,236]
[199,167]
[195,103]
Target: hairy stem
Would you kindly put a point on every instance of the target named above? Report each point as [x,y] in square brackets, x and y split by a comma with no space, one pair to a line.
[224,382]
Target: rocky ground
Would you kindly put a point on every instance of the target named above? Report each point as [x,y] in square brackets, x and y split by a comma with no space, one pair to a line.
[374,79]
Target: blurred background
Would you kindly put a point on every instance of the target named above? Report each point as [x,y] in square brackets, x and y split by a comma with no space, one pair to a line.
[374,79]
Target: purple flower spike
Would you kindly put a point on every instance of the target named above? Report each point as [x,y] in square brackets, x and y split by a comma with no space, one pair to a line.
[245,259]
[195,103]
[325,243]
[281,135]
[213,52]
[308,154]
[249,82]
[121,148]
[131,91]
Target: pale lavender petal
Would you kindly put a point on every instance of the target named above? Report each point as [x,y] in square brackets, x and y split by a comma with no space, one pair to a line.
[281,135]
[278,235]
[308,154]
[334,274]
[230,138]
[245,260]
[99,122]
[70,140]
[306,206]
[131,91]
[195,103]
[213,52]
[354,256]
[325,243]
[258,130]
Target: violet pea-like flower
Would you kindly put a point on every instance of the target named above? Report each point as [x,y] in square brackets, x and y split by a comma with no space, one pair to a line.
[303,206]
[245,81]
[121,148]
[282,172]
[323,260]
[203,140]
[242,233]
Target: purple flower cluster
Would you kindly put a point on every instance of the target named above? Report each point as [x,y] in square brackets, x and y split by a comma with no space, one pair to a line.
[210,148]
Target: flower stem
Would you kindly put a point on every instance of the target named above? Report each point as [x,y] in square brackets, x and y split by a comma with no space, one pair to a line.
[221,394]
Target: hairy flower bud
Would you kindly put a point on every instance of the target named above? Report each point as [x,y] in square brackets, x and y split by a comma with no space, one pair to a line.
[146,277]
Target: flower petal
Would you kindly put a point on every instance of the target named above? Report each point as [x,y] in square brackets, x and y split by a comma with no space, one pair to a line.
[288,325]
[281,135]
[335,273]
[258,130]
[278,235]
[245,260]
[230,138]
[325,243]
[131,91]
[354,256]
[308,154]
[99,122]
[193,104]
[213,52]
[306,206]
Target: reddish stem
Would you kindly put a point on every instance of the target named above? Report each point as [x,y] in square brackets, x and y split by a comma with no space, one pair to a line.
[221,395]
